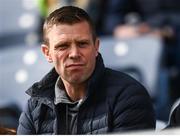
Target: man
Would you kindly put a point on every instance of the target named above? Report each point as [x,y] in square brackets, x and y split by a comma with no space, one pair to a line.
[80,95]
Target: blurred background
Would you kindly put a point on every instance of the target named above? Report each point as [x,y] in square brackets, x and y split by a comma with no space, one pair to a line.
[138,37]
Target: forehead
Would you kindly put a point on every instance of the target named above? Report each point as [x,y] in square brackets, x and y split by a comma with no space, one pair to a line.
[81,28]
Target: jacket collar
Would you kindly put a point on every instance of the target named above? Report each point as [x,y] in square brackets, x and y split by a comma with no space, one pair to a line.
[45,87]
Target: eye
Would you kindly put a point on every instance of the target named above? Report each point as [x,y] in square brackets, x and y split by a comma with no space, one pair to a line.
[83,44]
[61,47]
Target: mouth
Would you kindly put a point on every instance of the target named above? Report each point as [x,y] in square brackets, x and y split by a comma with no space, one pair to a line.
[75,65]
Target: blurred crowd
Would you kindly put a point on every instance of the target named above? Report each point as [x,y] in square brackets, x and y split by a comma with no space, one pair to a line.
[130,19]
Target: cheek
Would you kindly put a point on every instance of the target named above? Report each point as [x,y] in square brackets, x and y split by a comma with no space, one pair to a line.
[59,64]
[58,60]
[58,56]
[91,59]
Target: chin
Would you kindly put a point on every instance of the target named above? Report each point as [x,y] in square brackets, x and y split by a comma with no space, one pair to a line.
[77,80]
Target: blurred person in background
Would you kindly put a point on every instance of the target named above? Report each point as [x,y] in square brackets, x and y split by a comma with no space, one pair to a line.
[128,18]
[80,95]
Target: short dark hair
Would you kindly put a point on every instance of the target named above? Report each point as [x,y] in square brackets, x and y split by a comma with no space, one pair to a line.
[67,15]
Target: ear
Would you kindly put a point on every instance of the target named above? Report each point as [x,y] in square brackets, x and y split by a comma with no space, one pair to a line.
[46,51]
[97,46]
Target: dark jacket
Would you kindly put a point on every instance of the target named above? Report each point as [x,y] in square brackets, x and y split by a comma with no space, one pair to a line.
[115,102]
[174,120]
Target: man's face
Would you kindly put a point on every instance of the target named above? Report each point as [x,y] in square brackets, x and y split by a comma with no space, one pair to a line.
[72,51]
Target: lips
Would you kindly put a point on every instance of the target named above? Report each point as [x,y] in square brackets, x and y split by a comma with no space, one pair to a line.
[75,65]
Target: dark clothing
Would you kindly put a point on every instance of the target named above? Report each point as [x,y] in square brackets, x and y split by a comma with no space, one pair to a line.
[114,103]
[175,118]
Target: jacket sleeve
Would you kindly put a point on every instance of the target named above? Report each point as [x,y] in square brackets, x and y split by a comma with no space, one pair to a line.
[133,110]
[25,121]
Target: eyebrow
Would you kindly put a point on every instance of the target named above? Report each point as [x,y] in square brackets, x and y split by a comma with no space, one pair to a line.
[68,42]
[61,43]
[82,40]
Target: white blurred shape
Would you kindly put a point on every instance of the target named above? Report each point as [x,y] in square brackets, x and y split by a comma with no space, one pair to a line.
[29,4]
[121,49]
[30,57]
[21,76]
[160,125]
[26,20]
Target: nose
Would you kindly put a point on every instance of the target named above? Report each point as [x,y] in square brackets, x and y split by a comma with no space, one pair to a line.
[74,53]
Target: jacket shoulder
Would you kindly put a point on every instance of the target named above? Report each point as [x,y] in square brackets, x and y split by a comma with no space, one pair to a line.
[33,115]
[120,80]
[26,121]
[129,101]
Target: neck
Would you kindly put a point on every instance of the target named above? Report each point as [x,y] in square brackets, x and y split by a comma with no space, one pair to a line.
[75,91]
